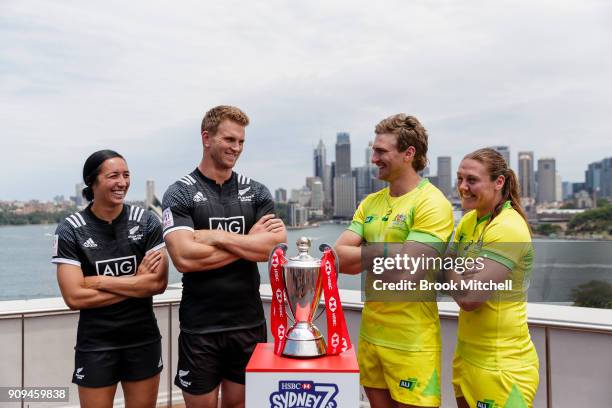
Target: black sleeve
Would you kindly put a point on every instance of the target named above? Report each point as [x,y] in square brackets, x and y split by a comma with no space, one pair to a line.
[264,204]
[65,245]
[154,240]
[177,209]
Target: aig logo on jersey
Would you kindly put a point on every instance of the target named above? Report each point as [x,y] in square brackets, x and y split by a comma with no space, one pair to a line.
[230,224]
[117,266]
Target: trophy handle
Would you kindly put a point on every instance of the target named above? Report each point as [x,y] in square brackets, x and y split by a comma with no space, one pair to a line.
[284,247]
[322,248]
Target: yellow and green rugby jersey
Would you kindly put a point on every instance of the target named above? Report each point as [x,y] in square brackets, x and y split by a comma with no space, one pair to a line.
[423,215]
[495,336]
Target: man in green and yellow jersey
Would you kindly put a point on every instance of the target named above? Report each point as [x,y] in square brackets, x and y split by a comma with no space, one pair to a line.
[496,364]
[399,343]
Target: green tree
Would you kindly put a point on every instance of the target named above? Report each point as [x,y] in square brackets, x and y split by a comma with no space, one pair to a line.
[597,220]
[593,294]
[547,229]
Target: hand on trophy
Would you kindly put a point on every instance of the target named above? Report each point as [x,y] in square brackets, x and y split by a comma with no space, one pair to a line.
[267,223]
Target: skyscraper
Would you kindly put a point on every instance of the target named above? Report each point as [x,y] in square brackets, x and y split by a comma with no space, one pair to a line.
[316,198]
[363,181]
[321,170]
[319,160]
[546,181]
[79,201]
[368,154]
[444,175]
[598,177]
[343,154]
[526,174]
[150,194]
[344,196]
[558,187]
[504,151]
[280,195]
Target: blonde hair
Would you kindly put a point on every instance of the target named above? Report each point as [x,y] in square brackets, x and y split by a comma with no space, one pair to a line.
[216,115]
[409,132]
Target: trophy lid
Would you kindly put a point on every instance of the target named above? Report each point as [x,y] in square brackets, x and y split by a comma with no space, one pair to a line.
[303,258]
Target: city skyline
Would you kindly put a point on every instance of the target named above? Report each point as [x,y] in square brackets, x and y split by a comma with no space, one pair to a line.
[79,77]
[432,172]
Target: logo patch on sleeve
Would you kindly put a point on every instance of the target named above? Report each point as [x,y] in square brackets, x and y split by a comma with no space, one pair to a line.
[167,218]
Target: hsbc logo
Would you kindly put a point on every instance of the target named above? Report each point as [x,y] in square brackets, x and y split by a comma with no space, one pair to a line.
[281,332]
[229,224]
[279,295]
[328,268]
[335,340]
[124,266]
[332,304]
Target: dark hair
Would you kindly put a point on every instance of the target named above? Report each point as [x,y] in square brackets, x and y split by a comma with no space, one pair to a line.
[409,132]
[496,166]
[91,169]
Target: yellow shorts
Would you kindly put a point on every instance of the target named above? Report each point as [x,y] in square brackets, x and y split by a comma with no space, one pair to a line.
[412,377]
[484,388]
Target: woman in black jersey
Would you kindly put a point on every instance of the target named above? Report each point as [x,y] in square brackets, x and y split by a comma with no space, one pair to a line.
[110,261]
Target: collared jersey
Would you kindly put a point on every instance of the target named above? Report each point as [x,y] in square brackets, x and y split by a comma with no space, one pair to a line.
[112,249]
[496,336]
[226,298]
[422,215]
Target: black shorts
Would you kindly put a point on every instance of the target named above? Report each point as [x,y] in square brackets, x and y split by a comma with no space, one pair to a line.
[104,368]
[204,360]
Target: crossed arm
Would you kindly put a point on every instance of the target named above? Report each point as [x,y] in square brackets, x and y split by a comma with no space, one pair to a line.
[469,300]
[349,250]
[204,250]
[97,291]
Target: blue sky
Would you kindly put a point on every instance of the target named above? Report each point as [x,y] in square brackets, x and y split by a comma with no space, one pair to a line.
[137,77]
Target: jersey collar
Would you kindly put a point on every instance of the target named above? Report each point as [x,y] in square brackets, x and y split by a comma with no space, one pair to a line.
[212,182]
[93,216]
[507,204]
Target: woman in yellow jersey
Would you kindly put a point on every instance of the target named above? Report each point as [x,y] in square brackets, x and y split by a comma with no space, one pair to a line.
[495,365]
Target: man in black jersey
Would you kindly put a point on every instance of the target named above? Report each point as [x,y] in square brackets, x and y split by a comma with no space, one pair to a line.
[217,225]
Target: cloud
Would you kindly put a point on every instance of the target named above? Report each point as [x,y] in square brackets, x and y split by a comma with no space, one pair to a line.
[138,76]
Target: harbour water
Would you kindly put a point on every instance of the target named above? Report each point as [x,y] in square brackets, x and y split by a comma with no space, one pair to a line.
[559,267]
[27,273]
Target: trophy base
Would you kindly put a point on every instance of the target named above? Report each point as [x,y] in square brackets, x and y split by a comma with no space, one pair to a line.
[304,341]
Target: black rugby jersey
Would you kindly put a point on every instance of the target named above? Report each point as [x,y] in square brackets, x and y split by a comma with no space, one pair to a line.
[226,298]
[112,249]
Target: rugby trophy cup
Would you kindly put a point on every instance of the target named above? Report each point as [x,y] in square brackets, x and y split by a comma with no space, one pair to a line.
[299,282]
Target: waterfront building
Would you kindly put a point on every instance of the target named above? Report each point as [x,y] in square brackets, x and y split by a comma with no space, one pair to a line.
[526,174]
[598,177]
[344,196]
[280,195]
[316,194]
[504,151]
[546,178]
[343,154]
[445,175]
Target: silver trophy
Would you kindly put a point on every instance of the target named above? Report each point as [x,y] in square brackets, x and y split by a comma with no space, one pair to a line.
[303,285]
